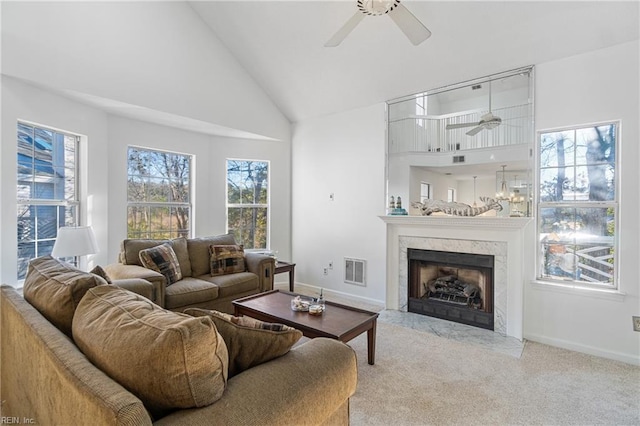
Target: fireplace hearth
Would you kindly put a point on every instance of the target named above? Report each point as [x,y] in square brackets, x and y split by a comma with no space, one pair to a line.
[453,286]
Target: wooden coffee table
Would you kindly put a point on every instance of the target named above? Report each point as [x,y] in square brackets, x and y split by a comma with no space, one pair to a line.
[337,322]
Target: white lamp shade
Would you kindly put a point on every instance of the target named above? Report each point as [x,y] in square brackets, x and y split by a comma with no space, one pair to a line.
[75,241]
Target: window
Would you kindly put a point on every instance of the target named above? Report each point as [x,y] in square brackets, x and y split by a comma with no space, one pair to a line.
[451,195]
[421,109]
[577,208]
[425,191]
[158,194]
[248,202]
[47,189]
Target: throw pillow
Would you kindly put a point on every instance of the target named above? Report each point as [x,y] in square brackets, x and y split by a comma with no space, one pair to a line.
[162,259]
[226,259]
[55,289]
[199,252]
[99,271]
[167,359]
[250,342]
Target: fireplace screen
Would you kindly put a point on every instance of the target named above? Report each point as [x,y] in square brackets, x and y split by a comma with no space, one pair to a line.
[452,286]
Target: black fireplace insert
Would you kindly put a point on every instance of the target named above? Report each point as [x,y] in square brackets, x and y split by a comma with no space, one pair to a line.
[453,286]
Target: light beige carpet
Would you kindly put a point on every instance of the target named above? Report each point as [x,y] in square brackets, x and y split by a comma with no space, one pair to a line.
[422,379]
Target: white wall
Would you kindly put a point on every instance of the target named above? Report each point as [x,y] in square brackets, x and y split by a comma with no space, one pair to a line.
[104,159]
[594,87]
[210,154]
[344,155]
[159,57]
[155,54]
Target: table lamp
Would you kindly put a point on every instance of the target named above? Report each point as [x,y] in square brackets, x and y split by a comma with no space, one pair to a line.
[74,241]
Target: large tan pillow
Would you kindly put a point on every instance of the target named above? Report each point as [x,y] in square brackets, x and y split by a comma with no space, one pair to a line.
[250,342]
[55,288]
[168,360]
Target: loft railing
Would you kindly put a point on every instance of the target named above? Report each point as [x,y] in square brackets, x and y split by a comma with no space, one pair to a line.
[420,134]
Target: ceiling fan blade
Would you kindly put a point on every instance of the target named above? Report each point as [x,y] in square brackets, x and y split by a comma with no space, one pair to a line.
[460,125]
[415,31]
[345,30]
[474,131]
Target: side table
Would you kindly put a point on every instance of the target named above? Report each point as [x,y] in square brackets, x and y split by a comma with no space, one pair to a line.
[286,267]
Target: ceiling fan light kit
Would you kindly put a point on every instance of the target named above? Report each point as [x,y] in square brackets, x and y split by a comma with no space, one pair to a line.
[415,31]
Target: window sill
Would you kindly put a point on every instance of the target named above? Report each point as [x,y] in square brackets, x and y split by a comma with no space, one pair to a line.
[608,294]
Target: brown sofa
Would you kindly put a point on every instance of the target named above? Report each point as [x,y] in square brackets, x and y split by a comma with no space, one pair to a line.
[47,379]
[197,288]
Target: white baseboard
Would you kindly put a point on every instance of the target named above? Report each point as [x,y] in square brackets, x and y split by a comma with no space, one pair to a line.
[311,289]
[589,350]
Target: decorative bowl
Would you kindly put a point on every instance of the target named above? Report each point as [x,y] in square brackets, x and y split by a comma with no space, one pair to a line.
[316,309]
[299,304]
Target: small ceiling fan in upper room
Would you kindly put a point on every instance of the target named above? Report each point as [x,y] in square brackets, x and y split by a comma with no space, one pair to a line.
[415,31]
[487,121]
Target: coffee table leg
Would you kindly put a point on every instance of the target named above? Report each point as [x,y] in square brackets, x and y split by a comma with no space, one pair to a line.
[371,343]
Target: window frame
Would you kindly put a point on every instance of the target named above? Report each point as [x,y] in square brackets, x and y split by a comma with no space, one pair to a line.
[266,205]
[421,109]
[428,196]
[150,233]
[452,196]
[613,204]
[73,204]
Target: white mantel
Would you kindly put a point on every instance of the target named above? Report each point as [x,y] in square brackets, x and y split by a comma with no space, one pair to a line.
[510,240]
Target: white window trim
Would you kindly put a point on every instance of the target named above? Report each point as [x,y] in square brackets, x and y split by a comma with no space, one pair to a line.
[80,180]
[574,288]
[267,205]
[606,291]
[189,205]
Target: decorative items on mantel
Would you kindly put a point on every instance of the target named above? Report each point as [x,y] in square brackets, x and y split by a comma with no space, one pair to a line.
[456,209]
[395,207]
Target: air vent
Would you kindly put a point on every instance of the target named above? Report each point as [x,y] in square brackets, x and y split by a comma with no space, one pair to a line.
[355,271]
[458,159]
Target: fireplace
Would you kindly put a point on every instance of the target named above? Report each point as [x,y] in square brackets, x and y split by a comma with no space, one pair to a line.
[451,285]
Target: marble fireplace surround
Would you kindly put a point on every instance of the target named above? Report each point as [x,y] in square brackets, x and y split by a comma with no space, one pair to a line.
[507,239]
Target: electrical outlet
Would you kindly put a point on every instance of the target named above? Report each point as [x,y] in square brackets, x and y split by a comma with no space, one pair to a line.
[636,323]
[330,265]
[326,271]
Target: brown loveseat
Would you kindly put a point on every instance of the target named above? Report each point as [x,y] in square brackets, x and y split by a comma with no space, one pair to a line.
[197,288]
[47,377]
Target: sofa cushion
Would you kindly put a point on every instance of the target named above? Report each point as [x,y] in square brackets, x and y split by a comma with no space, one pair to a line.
[190,291]
[169,360]
[55,288]
[99,271]
[250,342]
[130,252]
[226,259]
[162,259]
[234,284]
[199,252]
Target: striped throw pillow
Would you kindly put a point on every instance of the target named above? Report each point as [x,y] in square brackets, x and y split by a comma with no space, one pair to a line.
[226,259]
[162,259]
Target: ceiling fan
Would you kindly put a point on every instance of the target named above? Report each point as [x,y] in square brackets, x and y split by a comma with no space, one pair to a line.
[487,121]
[415,31]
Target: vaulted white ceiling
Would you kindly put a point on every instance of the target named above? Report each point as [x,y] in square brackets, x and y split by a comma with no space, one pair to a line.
[281,44]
